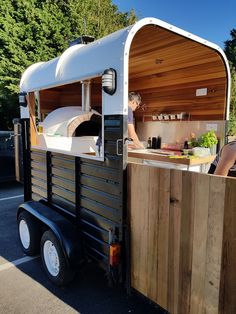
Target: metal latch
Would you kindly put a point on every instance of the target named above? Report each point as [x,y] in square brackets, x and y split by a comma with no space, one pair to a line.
[119,147]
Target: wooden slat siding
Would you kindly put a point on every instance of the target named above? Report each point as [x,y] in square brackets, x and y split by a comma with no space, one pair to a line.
[178,88]
[173,64]
[38,166]
[39,182]
[163,232]
[139,181]
[228,271]
[63,173]
[174,240]
[63,156]
[63,163]
[168,79]
[201,239]
[64,183]
[214,243]
[39,156]
[200,232]
[39,174]
[40,191]
[70,196]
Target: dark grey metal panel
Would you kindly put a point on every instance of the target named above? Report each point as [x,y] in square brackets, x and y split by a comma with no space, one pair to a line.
[98,204]
[97,221]
[99,171]
[111,161]
[103,210]
[103,185]
[102,197]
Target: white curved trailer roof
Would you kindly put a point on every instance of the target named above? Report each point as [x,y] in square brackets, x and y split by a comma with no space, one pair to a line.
[83,62]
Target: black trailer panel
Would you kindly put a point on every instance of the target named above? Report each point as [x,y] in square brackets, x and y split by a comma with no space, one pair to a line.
[90,191]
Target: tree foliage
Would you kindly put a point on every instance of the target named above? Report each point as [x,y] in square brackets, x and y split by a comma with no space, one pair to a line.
[230,50]
[39,30]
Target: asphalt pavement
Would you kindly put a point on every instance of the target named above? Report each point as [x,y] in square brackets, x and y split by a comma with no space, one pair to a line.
[24,287]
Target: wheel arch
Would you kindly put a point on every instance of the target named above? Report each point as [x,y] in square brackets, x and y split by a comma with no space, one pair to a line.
[63,229]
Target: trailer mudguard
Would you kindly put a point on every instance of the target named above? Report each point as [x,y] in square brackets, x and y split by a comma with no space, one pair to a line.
[64,230]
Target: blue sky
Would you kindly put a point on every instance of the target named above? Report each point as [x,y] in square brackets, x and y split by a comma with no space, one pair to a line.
[209,19]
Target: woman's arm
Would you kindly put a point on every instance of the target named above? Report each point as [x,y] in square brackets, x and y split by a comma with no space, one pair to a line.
[226,161]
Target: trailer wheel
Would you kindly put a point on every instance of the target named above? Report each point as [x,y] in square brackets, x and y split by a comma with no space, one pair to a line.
[29,233]
[54,261]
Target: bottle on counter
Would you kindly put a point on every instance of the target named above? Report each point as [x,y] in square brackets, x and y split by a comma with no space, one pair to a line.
[149,145]
[186,144]
[154,142]
[158,144]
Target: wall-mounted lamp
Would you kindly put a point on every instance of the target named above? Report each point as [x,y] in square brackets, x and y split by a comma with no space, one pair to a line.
[109,81]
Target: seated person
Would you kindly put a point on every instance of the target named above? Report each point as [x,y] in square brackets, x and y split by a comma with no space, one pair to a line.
[134,104]
[225,162]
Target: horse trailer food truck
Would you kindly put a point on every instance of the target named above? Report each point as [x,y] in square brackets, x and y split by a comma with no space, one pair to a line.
[77,194]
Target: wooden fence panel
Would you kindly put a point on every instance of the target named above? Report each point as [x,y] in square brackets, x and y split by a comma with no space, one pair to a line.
[183,239]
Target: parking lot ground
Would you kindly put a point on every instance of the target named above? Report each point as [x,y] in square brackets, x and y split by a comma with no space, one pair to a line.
[25,288]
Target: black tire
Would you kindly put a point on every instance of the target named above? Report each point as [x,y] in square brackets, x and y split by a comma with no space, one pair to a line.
[27,222]
[63,274]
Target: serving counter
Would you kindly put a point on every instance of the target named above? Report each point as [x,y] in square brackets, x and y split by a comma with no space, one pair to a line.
[170,159]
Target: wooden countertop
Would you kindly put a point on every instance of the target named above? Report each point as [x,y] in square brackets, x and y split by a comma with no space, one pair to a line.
[183,160]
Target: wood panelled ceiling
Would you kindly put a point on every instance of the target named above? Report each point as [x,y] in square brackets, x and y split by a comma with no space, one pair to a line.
[166,69]
[70,95]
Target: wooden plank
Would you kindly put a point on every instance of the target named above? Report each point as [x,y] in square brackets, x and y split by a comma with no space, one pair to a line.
[174,240]
[228,273]
[139,226]
[63,183]
[163,232]
[214,244]
[186,242]
[201,192]
[152,189]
